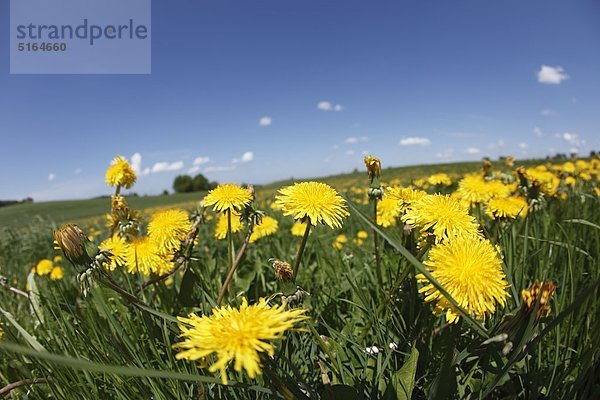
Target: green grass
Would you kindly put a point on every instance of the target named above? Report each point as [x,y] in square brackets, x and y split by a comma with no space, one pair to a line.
[102,346]
[75,210]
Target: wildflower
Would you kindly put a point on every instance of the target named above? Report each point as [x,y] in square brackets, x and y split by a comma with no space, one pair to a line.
[506,207]
[267,227]
[543,292]
[168,229]
[362,235]
[283,270]
[470,269]
[299,228]
[405,196]
[314,201]
[57,259]
[393,346]
[118,248]
[44,267]
[236,334]
[373,167]
[439,179]
[57,273]
[120,173]
[228,196]
[143,256]
[372,350]
[388,209]
[71,240]
[509,161]
[221,226]
[442,214]
[475,189]
[340,241]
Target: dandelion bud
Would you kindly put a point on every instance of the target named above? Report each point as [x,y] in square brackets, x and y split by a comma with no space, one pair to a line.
[373,167]
[393,346]
[375,193]
[543,292]
[71,240]
[251,190]
[283,270]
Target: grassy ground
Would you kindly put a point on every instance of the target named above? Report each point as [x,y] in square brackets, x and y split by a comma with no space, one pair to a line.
[65,345]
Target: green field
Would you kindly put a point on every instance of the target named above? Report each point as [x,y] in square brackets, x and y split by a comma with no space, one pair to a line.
[371,333]
[76,210]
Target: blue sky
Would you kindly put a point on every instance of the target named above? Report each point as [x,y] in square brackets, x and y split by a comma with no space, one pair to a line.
[262,90]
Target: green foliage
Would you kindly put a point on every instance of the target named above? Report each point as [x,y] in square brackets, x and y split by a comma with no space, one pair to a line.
[103,347]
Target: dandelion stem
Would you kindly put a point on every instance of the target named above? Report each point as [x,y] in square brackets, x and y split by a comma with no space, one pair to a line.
[230,250]
[301,250]
[376,247]
[235,264]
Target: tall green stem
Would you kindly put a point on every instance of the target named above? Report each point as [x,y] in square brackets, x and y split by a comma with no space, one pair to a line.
[301,250]
[230,249]
[376,247]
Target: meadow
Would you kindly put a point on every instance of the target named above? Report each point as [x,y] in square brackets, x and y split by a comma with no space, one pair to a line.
[466,280]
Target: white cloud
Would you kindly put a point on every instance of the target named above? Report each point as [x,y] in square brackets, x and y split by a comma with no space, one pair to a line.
[265,121]
[328,106]
[246,158]
[523,145]
[574,150]
[194,169]
[219,169]
[472,150]
[51,177]
[349,152]
[551,75]
[572,138]
[415,141]
[537,132]
[335,146]
[365,153]
[136,162]
[493,145]
[77,171]
[446,153]
[146,171]
[356,139]
[201,160]
[546,112]
[166,166]
[325,106]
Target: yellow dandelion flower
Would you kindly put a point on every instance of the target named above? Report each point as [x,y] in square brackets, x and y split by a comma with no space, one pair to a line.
[388,210]
[221,225]
[470,269]
[362,235]
[168,228]
[548,181]
[439,179]
[44,267]
[299,228]
[267,227]
[143,256]
[228,196]
[340,241]
[120,173]
[474,189]
[318,202]
[404,195]
[236,334]
[57,273]
[442,214]
[57,259]
[506,207]
[118,248]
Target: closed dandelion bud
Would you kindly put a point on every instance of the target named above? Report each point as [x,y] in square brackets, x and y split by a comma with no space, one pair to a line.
[375,193]
[251,190]
[72,241]
[487,166]
[543,292]
[373,167]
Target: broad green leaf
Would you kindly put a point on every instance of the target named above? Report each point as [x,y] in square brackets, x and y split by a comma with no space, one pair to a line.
[402,382]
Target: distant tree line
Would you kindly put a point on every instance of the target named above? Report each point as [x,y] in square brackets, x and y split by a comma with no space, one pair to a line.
[4,203]
[187,184]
